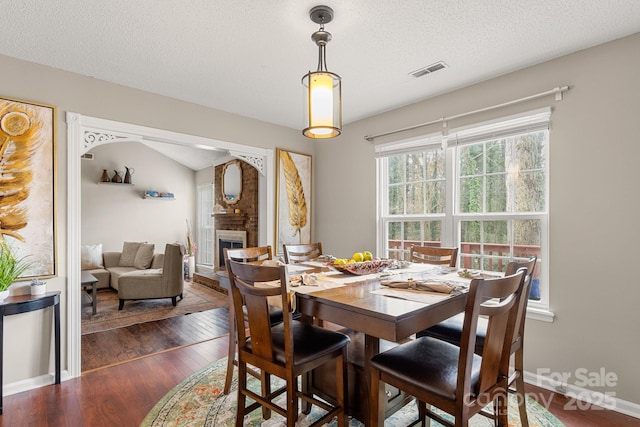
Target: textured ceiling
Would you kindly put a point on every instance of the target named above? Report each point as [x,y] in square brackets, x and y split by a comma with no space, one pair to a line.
[248,57]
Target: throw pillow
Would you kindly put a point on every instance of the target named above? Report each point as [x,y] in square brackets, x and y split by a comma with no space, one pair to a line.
[91,257]
[128,255]
[144,256]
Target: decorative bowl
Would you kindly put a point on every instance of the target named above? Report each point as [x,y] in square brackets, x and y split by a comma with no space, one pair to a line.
[364,267]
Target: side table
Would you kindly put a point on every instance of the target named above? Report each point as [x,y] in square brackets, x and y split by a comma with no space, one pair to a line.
[26,303]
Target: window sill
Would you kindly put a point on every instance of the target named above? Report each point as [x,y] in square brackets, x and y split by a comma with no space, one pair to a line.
[540,314]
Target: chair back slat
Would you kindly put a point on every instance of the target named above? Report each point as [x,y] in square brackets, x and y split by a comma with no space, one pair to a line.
[434,255]
[253,300]
[301,253]
[255,254]
[497,299]
[512,267]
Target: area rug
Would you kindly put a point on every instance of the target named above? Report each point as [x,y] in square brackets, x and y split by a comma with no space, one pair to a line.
[196,298]
[198,401]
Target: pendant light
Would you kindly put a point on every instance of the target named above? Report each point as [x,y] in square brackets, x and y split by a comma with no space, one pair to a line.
[322,88]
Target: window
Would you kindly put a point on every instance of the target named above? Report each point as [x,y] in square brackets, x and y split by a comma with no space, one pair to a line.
[483,189]
[205,233]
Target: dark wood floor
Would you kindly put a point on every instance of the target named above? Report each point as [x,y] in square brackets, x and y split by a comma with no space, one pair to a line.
[122,394]
[105,348]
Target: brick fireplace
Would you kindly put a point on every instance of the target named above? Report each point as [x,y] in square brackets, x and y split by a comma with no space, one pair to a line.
[236,227]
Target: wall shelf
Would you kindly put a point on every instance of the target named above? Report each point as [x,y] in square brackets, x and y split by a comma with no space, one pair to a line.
[158,195]
[157,198]
[121,184]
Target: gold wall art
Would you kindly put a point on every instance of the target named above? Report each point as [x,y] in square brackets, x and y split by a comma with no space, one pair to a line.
[27,184]
[293,198]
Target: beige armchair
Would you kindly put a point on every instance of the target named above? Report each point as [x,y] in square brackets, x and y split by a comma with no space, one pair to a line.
[148,284]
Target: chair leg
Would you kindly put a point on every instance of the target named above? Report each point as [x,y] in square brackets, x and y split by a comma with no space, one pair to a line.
[242,398]
[232,351]
[377,398]
[341,387]
[520,393]
[174,301]
[501,409]
[121,304]
[292,402]
[265,380]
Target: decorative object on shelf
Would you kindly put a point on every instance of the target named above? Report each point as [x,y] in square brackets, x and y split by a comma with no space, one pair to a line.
[105,176]
[28,170]
[117,178]
[38,287]
[232,182]
[152,194]
[128,174]
[10,268]
[322,88]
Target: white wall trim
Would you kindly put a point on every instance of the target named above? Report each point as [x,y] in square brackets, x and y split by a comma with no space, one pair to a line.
[540,314]
[32,383]
[581,397]
[84,133]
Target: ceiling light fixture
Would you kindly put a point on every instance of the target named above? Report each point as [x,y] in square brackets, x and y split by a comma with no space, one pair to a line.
[322,88]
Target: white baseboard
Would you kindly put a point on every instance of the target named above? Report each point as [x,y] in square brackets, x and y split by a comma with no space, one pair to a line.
[32,383]
[581,397]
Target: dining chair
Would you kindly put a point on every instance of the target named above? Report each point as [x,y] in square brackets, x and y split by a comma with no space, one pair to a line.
[301,253]
[433,255]
[453,378]
[287,350]
[254,254]
[450,330]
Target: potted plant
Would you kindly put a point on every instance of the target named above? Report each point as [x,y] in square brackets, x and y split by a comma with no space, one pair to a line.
[10,268]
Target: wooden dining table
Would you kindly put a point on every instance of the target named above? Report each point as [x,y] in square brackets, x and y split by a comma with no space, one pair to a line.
[374,321]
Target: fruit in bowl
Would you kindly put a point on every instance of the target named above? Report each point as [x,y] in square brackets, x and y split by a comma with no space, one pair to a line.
[362,267]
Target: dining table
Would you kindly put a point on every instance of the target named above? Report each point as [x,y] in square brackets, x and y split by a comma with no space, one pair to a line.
[376,316]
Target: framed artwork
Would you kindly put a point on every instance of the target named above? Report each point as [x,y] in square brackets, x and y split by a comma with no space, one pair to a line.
[27,184]
[293,198]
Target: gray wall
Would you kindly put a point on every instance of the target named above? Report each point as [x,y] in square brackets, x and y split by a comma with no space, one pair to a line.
[594,233]
[114,213]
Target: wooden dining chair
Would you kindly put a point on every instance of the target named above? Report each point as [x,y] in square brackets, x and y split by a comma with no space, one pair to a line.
[453,378]
[450,331]
[433,255]
[255,254]
[301,253]
[287,350]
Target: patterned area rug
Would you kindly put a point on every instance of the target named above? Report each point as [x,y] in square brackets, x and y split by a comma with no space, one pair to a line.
[198,401]
[196,298]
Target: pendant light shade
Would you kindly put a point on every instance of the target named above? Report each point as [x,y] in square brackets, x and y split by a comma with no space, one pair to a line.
[322,88]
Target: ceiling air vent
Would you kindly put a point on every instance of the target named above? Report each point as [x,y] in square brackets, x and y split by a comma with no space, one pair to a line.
[428,69]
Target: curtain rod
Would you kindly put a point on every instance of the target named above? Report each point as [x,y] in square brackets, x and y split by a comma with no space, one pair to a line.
[558,91]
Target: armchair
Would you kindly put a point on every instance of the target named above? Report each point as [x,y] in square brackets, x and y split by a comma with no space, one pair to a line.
[147,284]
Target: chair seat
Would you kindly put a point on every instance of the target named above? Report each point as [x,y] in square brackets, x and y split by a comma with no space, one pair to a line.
[450,330]
[310,342]
[427,363]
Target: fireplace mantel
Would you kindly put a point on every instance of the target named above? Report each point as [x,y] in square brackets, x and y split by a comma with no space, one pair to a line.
[230,218]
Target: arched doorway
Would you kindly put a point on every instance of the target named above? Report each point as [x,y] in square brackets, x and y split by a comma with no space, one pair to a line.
[84,133]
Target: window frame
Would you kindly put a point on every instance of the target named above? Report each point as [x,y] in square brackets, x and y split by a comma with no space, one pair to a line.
[452,217]
[205,226]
